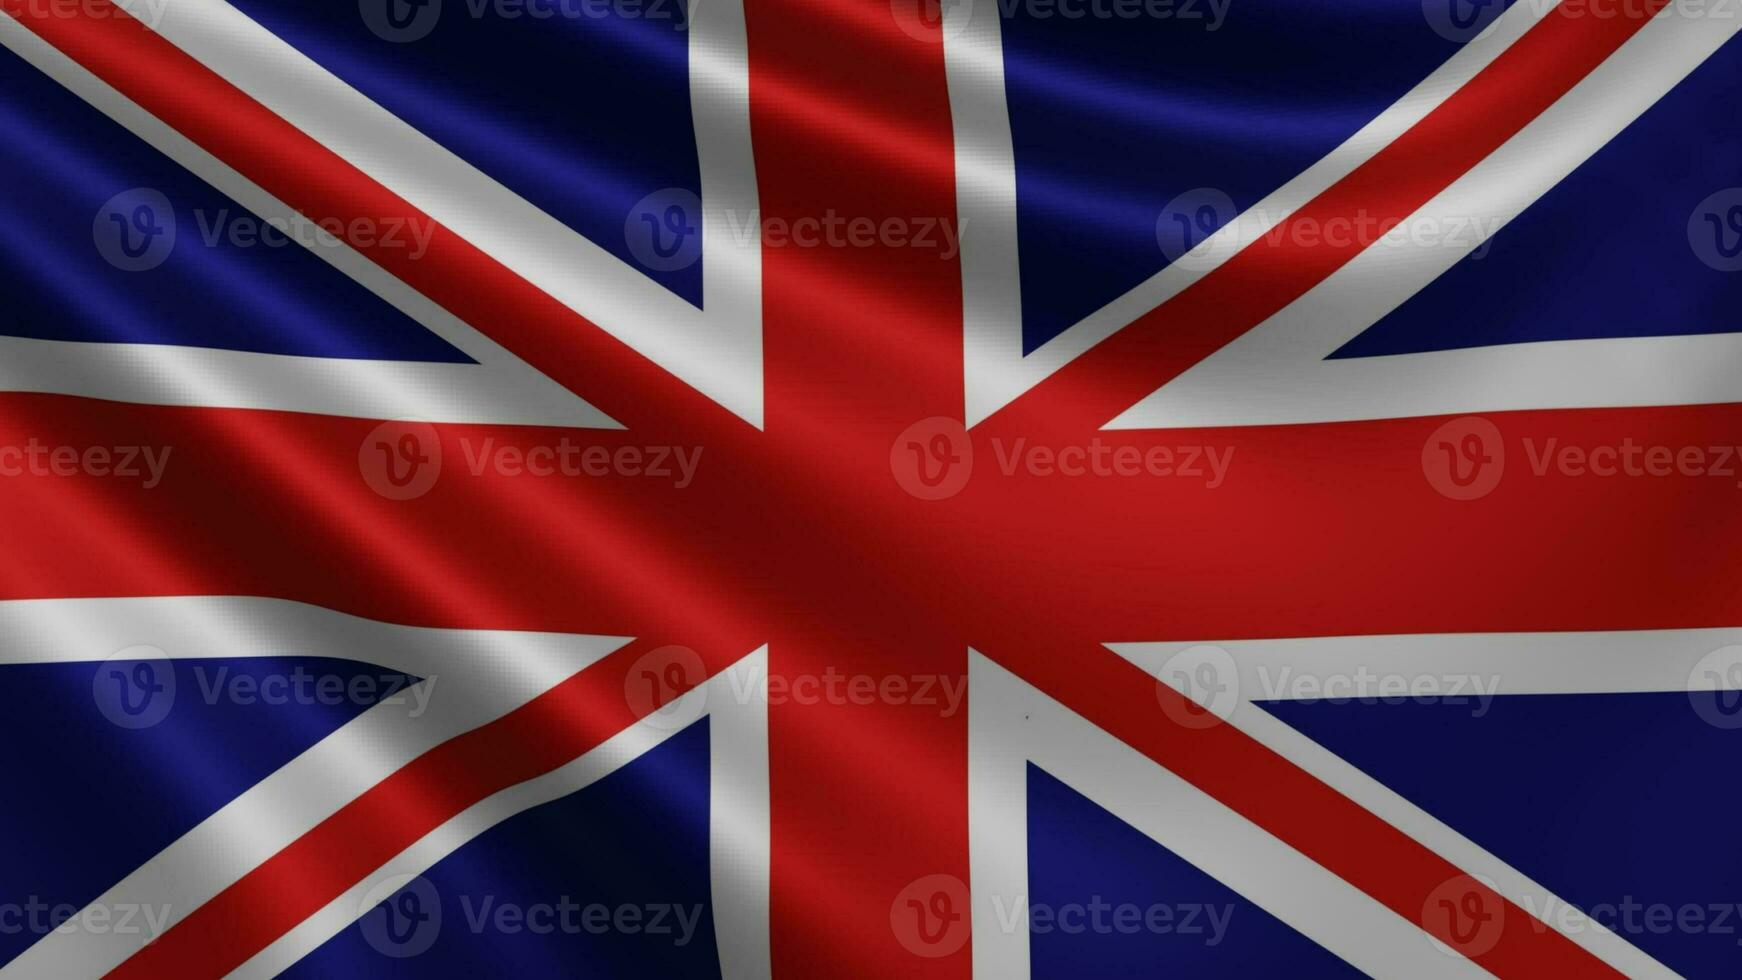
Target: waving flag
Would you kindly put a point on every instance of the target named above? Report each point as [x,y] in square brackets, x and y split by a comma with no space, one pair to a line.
[766,488]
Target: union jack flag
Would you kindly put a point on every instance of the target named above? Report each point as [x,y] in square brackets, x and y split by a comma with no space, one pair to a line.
[921,488]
